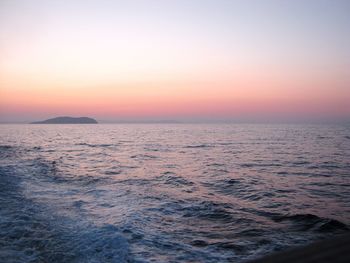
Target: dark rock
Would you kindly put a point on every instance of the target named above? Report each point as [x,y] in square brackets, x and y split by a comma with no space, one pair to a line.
[67,120]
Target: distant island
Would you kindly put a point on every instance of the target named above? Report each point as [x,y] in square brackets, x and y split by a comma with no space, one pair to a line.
[67,120]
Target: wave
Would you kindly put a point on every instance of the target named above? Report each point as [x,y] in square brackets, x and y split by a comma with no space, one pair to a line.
[34,232]
[199,146]
[5,147]
[313,222]
[103,145]
[143,157]
[171,178]
[113,172]
[7,151]
[100,244]
[251,165]
[210,211]
[237,188]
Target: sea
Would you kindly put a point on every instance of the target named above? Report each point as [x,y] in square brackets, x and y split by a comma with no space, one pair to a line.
[170,192]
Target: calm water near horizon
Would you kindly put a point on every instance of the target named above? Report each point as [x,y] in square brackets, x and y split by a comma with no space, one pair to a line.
[169,192]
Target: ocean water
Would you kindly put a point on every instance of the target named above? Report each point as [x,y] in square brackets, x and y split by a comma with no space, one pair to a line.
[169,192]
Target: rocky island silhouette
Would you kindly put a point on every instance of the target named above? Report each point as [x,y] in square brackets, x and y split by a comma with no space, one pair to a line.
[67,120]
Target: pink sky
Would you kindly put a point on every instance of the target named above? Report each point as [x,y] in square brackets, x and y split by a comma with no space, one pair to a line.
[117,61]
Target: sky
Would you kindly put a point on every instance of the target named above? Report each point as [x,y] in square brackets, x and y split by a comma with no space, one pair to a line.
[181,60]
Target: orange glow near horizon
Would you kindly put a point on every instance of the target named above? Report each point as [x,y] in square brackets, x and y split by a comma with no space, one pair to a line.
[206,97]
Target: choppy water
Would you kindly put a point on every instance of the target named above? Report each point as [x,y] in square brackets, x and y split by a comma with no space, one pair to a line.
[169,193]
